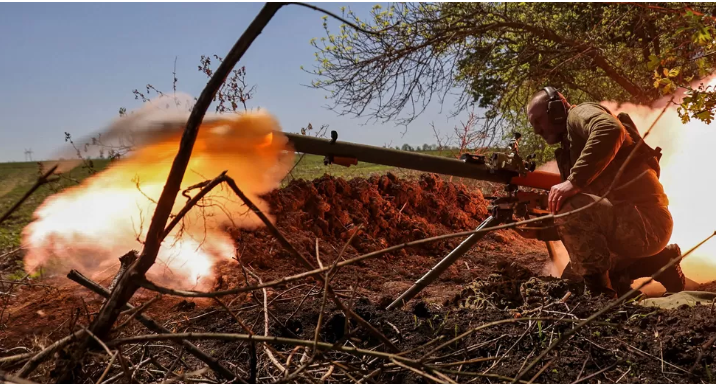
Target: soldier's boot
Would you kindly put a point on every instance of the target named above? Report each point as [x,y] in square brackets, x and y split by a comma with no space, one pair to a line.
[672,279]
[569,274]
[600,284]
[621,283]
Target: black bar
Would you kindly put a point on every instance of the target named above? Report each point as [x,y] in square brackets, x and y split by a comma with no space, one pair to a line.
[395,158]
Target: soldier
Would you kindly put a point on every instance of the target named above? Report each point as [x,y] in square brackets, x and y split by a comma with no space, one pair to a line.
[632,223]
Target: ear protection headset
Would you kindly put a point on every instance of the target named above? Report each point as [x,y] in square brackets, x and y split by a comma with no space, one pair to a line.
[556,111]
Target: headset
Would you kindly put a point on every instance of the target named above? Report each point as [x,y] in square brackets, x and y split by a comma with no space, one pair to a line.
[556,111]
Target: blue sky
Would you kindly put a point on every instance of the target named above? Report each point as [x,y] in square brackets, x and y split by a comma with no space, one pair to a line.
[69,67]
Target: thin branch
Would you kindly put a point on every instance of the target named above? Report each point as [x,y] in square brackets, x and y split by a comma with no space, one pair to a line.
[476,374]
[10,359]
[156,327]
[418,372]
[40,182]
[310,343]
[192,202]
[106,370]
[333,15]
[46,353]
[8,378]
[185,375]
[595,374]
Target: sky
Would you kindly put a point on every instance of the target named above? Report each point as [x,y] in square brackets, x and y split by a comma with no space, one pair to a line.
[70,67]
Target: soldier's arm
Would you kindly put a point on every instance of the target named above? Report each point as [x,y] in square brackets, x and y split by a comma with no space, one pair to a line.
[604,136]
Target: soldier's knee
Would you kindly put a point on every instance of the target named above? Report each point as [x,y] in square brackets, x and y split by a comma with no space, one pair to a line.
[577,201]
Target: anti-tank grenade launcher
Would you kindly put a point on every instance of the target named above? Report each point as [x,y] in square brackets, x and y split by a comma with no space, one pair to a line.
[507,167]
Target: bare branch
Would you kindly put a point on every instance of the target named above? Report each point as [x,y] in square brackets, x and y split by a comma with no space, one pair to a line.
[126,287]
[40,182]
[156,327]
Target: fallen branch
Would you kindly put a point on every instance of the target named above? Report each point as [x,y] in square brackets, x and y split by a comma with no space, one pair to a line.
[476,374]
[156,327]
[265,339]
[46,353]
[40,182]
[312,343]
[106,370]
[595,374]
[12,359]
[185,375]
[7,378]
[418,372]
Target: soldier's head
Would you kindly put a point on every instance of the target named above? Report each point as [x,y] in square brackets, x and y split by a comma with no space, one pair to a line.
[547,113]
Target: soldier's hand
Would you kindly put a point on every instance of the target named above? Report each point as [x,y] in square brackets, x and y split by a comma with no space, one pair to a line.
[560,193]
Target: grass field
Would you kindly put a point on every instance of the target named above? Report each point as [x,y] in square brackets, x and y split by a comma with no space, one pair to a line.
[15,180]
[311,166]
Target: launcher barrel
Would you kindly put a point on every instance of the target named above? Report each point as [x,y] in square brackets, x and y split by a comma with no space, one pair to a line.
[419,162]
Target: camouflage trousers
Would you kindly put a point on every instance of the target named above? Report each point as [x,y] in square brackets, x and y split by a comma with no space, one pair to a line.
[611,235]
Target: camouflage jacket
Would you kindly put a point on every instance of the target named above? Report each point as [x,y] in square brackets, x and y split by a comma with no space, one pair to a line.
[594,149]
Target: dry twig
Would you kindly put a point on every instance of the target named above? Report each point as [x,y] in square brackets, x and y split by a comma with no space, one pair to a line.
[7,378]
[155,327]
[46,353]
[40,182]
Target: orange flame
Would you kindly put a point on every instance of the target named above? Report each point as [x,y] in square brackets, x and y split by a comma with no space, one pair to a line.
[89,226]
[685,174]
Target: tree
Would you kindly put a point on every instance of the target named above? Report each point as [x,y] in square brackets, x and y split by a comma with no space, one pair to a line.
[495,55]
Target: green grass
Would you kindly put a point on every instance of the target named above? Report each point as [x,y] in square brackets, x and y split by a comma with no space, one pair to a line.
[311,167]
[15,180]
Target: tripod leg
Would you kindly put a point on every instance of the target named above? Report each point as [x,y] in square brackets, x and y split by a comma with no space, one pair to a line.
[444,264]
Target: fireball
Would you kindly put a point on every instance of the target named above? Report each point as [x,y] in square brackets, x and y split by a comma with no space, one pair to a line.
[88,227]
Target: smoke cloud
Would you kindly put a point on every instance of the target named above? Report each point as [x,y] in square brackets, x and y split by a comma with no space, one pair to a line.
[88,227]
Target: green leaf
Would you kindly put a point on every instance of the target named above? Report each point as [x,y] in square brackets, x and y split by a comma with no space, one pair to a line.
[704,116]
[653,62]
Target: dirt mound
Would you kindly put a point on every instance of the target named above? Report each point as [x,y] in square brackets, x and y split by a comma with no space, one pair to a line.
[389,210]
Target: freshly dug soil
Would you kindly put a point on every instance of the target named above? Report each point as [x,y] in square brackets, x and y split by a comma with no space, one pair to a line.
[502,278]
[386,211]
